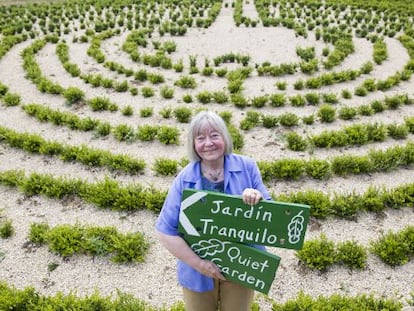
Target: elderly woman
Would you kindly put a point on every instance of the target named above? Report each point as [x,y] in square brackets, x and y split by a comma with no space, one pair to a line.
[213,167]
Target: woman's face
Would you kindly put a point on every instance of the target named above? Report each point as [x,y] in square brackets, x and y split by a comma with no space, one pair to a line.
[209,144]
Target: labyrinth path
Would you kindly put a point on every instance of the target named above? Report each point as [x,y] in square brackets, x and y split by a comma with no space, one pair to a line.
[300,83]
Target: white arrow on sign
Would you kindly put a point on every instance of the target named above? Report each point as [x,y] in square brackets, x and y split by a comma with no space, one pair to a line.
[185,222]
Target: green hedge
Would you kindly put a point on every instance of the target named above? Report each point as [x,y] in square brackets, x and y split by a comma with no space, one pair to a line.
[393,248]
[92,157]
[67,240]
[106,194]
[110,194]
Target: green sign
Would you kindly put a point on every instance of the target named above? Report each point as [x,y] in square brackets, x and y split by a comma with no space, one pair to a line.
[225,217]
[239,263]
[218,226]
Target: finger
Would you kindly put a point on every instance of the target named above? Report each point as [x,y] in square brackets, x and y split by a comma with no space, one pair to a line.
[212,271]
[215,273]
[221,276]
[253,198]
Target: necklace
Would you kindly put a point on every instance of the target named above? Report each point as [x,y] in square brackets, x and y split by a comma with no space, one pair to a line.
[213,175]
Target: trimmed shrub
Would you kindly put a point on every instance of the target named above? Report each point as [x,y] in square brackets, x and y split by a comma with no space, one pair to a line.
[318,253]
[73,95]
[327,113]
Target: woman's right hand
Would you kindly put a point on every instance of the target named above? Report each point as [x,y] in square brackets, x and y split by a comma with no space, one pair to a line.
[210,269]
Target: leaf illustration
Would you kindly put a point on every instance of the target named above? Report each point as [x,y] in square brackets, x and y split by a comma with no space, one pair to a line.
[295,228]
[210,247]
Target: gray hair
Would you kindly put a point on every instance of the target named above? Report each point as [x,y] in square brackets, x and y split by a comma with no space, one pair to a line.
[198,122]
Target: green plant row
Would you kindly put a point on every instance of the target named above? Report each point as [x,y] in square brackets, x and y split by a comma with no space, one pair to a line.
[239,18]
[94,50]
[106,194]
[67,240]
[342,48]
[92,157]
[141,75]
[57,18]
[235,85]
[7,98]
[98,80]
[353,135]
[393,248]
[267,69]
[280,169]
[305,16]
[341,165]
[359,302]
[321,253]
[8,42]
[62,50]
[122,132]
[72,94]
[232,58]
[330,78]
[236,80]
[369,20]
[326,113]
[28,299]
[33,71]
[165,134]
[110,194]
[71,120]
[380,52]
[371,85]
[348,205]
[285,18]
[134,40]
[281,99]
[138,38]
[391,8]
[407,40]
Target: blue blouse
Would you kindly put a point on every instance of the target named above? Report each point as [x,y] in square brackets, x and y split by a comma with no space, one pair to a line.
[212,185]
[240,172]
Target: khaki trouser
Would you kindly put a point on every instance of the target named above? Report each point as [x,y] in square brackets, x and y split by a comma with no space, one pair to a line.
[226,296]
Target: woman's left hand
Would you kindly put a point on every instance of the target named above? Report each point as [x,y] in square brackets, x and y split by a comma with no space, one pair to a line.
[251,196]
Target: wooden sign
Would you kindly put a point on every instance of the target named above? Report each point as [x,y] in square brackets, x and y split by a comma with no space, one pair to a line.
[238,263]
[219,227]
[225,217]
